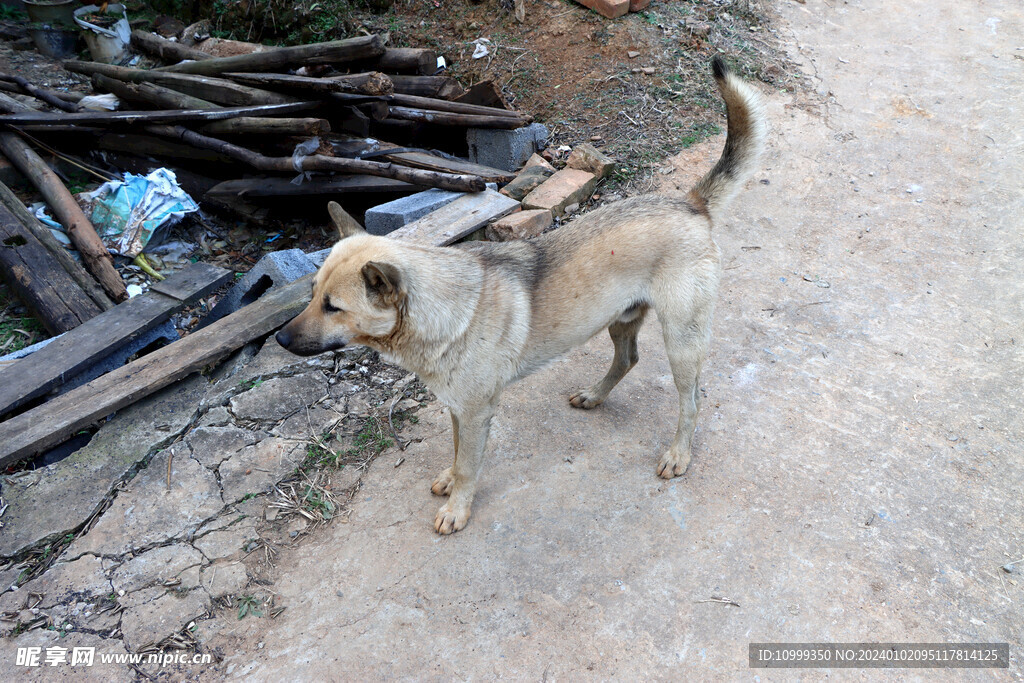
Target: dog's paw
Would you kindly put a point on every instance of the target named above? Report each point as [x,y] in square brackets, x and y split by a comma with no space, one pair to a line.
[585,399]
[673,464]
[442,486]
[450,518]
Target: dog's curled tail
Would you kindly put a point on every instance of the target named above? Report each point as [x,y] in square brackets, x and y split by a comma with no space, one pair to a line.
[743,144]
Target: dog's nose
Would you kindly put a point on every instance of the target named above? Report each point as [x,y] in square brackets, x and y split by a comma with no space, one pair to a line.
[283,337]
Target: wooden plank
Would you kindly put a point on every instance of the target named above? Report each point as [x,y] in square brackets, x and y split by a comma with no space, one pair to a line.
[71,353]
[50,424]
[436,163]
[111,118]
[283,187]
[457,219]
[39,280]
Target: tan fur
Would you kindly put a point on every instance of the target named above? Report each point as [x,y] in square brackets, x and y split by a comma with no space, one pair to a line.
[471,319]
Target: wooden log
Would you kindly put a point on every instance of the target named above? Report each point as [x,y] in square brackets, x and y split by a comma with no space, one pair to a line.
[484,93]
[333,52]
[167,50]
[115,118]
[69,96]
[370,83]
[97,259]
[43,234]
[457,219]
[38,279]
[77,350]
[441,87]
[408,60]
[149,145]
[150,93]
[248,125]
[446,118]
[48,96]
[317,162]
[50,424]
[248,188]
[351,120]
[435,104]
[219,90]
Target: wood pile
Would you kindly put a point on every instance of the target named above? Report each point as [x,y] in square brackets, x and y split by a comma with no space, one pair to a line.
[274,123]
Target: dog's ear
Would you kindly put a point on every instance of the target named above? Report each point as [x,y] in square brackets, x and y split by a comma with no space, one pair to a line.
[383,283]
[346,225]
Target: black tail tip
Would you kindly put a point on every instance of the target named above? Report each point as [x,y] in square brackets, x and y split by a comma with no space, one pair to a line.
[718,67]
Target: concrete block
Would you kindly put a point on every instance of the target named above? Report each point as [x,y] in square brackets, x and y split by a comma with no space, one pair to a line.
[388,217]
[519,225]
[607,8]
[505,149]
[273,270]
[117,356]
[568,186]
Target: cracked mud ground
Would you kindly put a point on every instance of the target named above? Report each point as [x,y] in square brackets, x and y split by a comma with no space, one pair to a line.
[857,469]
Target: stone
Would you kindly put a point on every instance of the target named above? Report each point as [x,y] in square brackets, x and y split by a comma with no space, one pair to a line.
[277,398]
[505,149]
[586,157]
[65,582]
[147,512]
[213,445]
[153,614]
[697,27]
[227,578]
[155,567]
[216,417]
[275,269]
[519,225]
[229,540]
[538,160]
[566,187]
[313,422]
[607,8]
[49,502]
[255,469]
[524,183]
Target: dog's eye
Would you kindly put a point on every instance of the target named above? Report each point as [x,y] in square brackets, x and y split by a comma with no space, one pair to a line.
[329,307]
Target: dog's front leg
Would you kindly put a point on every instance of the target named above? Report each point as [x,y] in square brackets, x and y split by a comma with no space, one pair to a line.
[460,481]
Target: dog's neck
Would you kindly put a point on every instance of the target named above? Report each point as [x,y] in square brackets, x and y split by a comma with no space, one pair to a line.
[443,288]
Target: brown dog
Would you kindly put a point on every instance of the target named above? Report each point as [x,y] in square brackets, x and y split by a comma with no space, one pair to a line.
[473,318]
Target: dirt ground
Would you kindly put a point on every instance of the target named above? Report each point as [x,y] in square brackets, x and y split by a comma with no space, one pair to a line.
[858,468]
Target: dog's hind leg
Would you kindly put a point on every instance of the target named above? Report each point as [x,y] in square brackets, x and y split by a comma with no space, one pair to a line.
[442,485]
[686,342]
[623,335]
[472,431]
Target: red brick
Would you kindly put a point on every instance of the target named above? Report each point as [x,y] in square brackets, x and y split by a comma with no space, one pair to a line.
[519,225]
[568,186]
[607,8]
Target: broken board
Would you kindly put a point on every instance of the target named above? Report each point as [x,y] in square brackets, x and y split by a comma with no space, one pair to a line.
[50,424]
[454,221]
[75,350]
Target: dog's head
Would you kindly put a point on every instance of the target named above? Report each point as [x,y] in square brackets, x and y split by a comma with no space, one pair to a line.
[358,295]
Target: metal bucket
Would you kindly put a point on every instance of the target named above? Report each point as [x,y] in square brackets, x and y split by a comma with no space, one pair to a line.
[52,26]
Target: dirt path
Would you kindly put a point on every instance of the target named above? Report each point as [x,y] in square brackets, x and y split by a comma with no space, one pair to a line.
[858,470]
